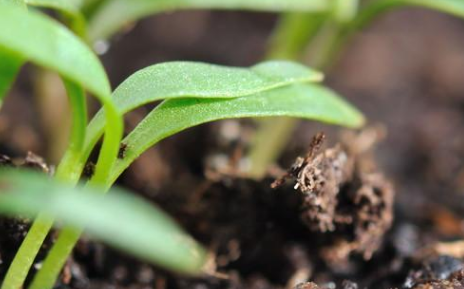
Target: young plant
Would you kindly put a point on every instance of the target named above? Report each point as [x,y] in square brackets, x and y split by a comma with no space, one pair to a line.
[268,89]
[194,93]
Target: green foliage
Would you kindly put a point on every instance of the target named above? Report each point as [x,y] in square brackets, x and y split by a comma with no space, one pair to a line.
[68,9]
[9,68]
[200,93]
[194,93]
[37,38]
[302,100]
[119,219]
[199,80]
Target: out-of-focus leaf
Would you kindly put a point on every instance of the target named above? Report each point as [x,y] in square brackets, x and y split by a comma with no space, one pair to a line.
[39,39]
[119,219]
[68,8]
[308,101]
[9,68]
[374,8]
[199,80]
[116,13]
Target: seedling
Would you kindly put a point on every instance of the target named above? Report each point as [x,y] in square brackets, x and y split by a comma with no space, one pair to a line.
[192,93]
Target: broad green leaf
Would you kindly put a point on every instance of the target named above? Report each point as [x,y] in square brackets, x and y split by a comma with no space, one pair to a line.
[38,38]
[119,219]
[68,8]
[199,80]
[374,8]
[300,100]
[116,13]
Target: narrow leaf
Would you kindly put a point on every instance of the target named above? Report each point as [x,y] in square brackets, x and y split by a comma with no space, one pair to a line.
[119,219]
[36,37]
[42,40]
[117,13]
[199,80]
[172,116]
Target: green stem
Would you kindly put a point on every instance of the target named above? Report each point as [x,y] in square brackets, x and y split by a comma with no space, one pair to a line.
[56,259]
[269,141]
[24,258]
[58,255]
[273,134]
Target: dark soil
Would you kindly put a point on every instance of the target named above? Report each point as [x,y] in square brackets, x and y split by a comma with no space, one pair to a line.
[335,218]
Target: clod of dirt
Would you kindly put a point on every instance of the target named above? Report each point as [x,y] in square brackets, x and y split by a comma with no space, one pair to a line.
[122,151]
[437,272]
[343,195]
[455,281]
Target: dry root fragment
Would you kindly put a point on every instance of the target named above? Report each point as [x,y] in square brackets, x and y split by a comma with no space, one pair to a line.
[343,194]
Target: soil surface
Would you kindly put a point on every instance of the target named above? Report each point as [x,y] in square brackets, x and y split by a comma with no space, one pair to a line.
[379,208]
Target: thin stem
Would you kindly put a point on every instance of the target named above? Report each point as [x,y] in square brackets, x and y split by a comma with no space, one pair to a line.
[273,134]
[56,259]
[269,141]
[58,255]
[24,258]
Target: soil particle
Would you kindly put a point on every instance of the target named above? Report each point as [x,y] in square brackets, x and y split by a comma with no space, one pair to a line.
[344,195]
[89,170]
[122,151]
[307,285]
[438,271]
[33,161]
[455,281]
[5,161]
[346,284]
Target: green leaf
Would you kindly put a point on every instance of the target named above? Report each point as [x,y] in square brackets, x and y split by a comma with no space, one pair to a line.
[45,42]
[199,80]
[300,100]
[16,2]
[36,37]
[9,68]
[68,8]
[119,219]
[116,13]
[374,8]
